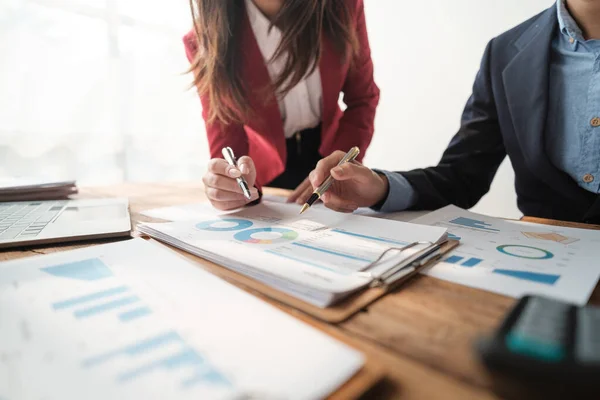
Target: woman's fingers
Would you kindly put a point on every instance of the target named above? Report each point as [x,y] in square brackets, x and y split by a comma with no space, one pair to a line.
[246,166]
[218,166]
[221,182]
[231,204]
[223,195]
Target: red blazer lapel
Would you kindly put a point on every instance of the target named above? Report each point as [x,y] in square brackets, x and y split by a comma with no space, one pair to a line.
[330,70]
[266,117]
[333,74]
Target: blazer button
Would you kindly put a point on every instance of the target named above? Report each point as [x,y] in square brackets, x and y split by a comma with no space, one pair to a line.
[595,122]
[588,178]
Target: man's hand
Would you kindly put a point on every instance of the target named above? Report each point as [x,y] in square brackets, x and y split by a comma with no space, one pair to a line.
[221,186]
[355,185]
[301,194]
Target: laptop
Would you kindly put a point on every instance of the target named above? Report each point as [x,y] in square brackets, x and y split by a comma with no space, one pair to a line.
[28,223]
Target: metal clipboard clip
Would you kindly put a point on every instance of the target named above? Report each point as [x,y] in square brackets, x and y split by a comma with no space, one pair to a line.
[404,267]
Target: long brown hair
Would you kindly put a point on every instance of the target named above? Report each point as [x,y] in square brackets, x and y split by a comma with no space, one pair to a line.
[302,22]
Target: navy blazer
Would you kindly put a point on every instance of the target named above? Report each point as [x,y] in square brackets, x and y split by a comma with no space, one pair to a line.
[506,114]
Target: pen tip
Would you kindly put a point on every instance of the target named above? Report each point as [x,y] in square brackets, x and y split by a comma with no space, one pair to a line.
[304,208]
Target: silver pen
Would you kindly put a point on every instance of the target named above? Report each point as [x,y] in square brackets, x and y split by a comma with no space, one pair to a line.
[230,157]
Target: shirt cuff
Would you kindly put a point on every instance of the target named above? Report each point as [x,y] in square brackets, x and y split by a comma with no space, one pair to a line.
[401,194]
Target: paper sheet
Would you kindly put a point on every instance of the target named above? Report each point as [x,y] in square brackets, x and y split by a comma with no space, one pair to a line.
[515,259]
[319,250]
[133,320]
[194,211]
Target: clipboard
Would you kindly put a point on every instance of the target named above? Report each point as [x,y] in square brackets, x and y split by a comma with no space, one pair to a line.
[335,314]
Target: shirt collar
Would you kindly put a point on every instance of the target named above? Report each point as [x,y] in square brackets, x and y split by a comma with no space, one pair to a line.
[567,24]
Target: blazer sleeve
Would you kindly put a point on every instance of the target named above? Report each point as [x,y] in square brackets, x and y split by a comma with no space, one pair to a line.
[469,164]
[219,135]
[360,94]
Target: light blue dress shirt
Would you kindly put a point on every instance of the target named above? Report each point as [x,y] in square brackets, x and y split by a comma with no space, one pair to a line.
[572,142]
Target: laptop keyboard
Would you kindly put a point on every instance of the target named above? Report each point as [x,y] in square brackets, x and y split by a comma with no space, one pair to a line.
[27,220]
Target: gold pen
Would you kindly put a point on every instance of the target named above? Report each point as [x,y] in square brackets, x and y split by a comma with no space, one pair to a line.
[349,157]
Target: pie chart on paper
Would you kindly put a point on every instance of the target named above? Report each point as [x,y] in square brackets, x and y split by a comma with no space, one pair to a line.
[224,225]
[266,235]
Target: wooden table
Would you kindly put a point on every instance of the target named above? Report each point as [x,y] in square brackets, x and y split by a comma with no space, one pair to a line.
[423,335]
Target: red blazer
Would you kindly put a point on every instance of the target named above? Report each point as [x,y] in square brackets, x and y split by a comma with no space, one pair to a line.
[263,138]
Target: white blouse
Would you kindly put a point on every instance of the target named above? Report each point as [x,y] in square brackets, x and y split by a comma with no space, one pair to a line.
[301,107]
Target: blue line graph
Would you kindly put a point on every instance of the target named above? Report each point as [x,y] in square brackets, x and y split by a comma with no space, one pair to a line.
[473,223]
[202,371]
[85,270]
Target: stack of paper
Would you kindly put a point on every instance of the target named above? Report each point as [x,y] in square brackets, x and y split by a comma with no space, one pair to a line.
[319,257]
[24,189]
[134,320]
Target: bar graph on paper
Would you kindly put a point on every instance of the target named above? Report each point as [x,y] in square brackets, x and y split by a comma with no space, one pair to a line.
[166,352]
[117,300]
[473,224]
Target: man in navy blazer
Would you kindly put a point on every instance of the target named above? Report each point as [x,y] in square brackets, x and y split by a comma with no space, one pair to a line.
[536,99]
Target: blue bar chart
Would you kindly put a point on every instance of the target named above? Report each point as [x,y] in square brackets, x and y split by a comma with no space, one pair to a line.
[183,356]
[117,299]
[452,236]
[469,263]
[547,279]
[473,223]
[85,270]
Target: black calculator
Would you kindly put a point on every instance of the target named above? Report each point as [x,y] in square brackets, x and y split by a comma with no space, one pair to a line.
[545,349]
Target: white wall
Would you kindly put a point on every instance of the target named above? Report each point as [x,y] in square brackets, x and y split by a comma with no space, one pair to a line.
[93,89]
[426,55]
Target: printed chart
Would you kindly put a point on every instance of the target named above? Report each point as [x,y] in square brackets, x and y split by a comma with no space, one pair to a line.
[266,235]
[120,300]
[516,258]
[109,300]
[224,225]
[104,323]
[338,250]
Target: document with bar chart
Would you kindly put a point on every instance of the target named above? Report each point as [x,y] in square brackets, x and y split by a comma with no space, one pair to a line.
[517,258]
[317,257]
[134,320]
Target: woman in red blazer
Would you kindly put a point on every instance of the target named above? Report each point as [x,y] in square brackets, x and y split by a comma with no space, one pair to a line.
[269,74]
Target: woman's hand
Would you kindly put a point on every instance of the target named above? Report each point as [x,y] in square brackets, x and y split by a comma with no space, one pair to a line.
[221,186]
[355,185]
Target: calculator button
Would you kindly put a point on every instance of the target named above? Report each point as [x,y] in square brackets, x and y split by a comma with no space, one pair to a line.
[541,330]
[533,347]
[587,345]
